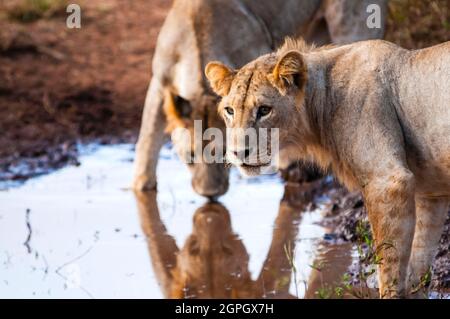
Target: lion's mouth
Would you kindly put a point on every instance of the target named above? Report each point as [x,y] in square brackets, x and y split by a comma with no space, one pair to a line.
[254,169]
[252,165]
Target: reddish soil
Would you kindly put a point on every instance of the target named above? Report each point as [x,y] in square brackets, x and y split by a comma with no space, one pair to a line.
[59,86]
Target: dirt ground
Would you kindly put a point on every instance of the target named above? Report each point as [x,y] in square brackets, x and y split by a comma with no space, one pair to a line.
[347,213]
[60,87]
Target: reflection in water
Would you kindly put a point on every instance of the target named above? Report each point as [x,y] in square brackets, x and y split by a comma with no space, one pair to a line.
[331,262]
[213,263]
[85,243]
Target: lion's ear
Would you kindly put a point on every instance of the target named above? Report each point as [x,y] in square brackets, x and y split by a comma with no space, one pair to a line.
[290,70]
[173,111]
[220,77]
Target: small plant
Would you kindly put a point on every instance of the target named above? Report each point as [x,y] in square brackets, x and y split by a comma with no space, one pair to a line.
[339,292]
[346,281]
[27,11]
[325,292]
[369,258]
[424,282]
[318,266]
[290,255]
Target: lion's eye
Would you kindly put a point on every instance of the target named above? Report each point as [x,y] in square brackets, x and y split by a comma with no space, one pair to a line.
[264,111]
[229,110]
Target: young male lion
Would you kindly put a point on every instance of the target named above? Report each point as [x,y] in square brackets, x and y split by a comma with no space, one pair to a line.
[236,31]
[375,113]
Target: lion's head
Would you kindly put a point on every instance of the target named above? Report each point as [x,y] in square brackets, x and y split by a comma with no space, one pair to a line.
[213,262]
[268,93]
[194,126]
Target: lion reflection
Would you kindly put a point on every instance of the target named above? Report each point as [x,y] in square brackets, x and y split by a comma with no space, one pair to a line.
[213,263]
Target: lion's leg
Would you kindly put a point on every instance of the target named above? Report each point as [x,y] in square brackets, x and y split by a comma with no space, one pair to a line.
[430,219]
[390,205]
[151,139]
[299,172]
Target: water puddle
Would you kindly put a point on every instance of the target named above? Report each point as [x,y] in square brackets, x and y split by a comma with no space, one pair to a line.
[79,233]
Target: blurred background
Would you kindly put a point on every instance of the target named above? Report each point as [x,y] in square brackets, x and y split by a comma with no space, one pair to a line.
[60,86]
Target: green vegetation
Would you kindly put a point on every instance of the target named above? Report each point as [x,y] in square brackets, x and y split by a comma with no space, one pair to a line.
[31,10]
[368,259]
[290,255]
[424,283]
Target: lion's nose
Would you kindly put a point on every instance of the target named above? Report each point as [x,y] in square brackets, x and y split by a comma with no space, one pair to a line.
[243,154]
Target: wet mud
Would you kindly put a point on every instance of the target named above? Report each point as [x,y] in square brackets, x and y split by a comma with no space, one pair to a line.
[347,213]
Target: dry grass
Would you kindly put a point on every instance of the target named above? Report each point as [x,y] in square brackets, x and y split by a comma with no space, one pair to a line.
[26,11]
[418,23]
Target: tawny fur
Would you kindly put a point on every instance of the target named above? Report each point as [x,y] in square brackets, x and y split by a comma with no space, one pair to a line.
[236,31]
[378,116]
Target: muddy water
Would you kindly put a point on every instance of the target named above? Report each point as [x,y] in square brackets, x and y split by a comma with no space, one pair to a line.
[79,233]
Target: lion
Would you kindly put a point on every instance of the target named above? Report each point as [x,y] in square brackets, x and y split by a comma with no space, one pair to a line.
[235,31]
[213,261]
[378,115]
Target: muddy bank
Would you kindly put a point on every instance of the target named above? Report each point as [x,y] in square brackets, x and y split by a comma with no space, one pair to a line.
[60,87]
[347,213]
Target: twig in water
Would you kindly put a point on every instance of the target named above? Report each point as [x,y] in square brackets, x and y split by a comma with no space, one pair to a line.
[58,270]
[30,231]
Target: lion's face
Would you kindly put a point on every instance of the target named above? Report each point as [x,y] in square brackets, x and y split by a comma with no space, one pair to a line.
[213,262]
[259,101]
[188,124]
